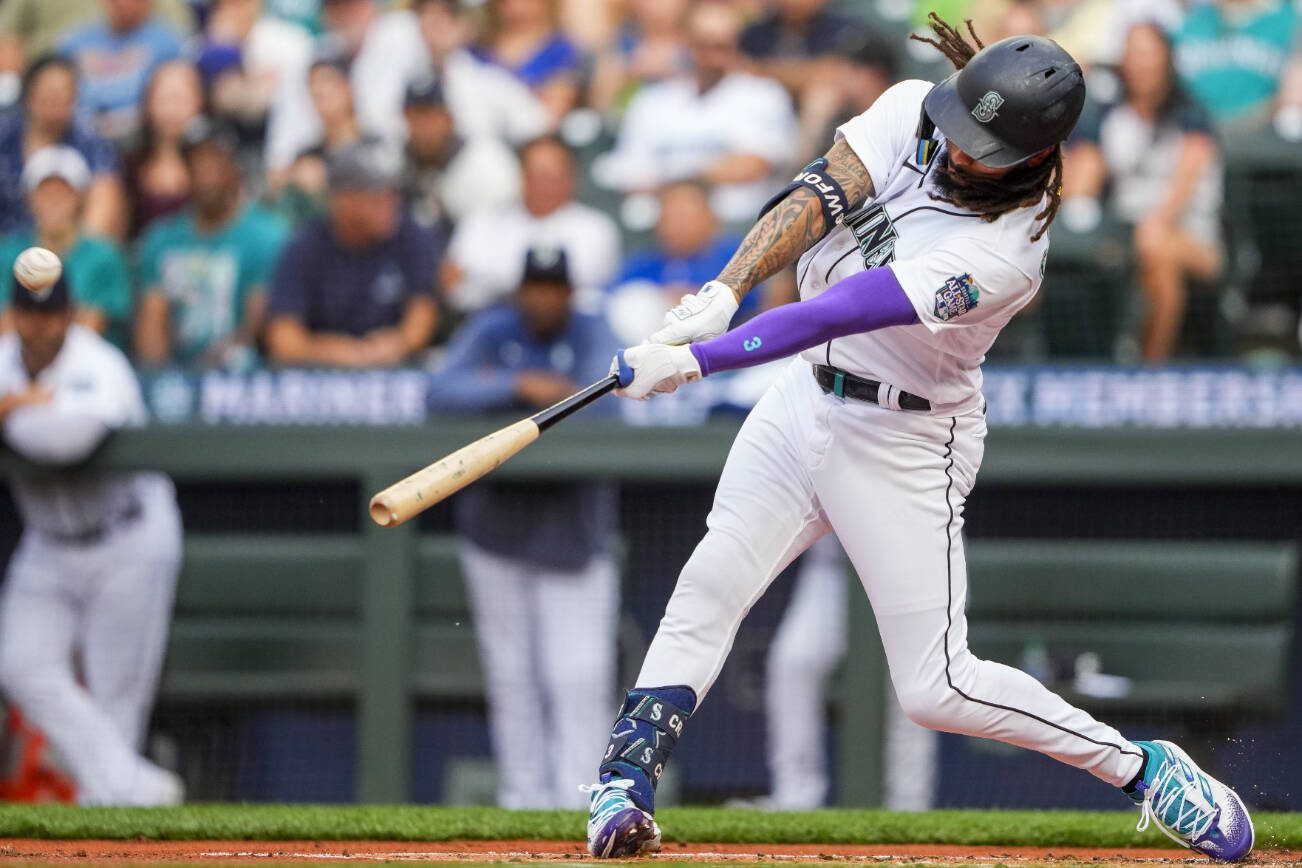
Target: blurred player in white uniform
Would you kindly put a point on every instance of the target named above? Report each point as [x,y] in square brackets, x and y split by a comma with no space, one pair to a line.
[88,594]
[919,235]
[807,647]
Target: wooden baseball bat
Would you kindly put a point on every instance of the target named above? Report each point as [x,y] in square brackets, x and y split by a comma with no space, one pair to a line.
[418,492]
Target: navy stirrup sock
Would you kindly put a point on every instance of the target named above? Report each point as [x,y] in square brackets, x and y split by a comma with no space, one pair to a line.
[644,735]
[1133,786]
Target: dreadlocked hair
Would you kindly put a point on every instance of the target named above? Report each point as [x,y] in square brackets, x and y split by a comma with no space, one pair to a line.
[949,41]
[1025,185]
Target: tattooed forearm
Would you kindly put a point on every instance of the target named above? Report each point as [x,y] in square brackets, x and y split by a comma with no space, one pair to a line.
[777,240]
[794,225]
[844,165]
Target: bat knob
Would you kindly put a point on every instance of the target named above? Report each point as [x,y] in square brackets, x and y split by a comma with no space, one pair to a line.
[625,371]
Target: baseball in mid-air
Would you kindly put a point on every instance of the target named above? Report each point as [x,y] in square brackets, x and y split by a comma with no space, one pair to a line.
[37,268]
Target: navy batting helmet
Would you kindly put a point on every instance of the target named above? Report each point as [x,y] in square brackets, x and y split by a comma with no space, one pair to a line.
[1012,100]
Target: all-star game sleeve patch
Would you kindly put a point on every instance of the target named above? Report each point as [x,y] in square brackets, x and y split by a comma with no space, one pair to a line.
[957,297]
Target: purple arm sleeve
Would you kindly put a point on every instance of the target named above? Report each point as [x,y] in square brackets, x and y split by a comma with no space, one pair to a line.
[862,302]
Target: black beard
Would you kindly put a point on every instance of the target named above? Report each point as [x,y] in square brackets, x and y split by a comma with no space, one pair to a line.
[990,197]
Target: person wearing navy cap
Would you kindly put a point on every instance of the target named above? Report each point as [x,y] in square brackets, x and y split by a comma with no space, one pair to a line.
[87,597]
[357,288]
[543,588]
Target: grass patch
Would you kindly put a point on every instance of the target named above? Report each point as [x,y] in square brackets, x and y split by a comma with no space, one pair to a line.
[706,825]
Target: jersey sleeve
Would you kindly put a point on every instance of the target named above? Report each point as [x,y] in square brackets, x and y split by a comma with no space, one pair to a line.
[963,282]
[468,379]
[99,396]
[104,387]
[888,129]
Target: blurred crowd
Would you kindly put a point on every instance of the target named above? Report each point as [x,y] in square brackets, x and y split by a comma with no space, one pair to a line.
[345,183]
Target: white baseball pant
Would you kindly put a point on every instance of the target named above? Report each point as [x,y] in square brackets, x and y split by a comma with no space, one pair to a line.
[547,646]
[892,485]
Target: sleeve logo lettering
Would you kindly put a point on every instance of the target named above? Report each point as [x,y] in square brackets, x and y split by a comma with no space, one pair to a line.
[750,345]
[956,297]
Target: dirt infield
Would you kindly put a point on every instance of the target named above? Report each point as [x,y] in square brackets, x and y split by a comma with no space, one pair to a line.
[29,851]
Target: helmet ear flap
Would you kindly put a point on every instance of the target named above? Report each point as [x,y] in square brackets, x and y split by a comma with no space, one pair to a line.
[927,143]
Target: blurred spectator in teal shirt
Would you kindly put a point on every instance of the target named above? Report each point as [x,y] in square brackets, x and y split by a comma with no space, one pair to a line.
[55,179]
[1241,60]
[204,273]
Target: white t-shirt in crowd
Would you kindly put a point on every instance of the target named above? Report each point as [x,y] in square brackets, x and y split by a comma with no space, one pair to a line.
[95,392]
[488,101]
[483,175]
[673,131]
[966,277]
[391,55]
[276,49]
[490,248]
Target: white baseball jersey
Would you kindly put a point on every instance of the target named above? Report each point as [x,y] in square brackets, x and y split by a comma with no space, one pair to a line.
[94,392]
[966,277]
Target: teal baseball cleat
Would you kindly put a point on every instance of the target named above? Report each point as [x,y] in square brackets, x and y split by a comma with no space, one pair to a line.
[1190,806]
[617,828]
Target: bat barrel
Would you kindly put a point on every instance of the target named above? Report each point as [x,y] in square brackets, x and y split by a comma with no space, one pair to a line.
[413,495]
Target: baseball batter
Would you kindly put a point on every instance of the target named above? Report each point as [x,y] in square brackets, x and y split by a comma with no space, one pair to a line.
[919,235]
[89,590]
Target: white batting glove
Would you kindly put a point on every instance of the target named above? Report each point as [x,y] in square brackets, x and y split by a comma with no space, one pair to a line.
[698,317]
[654,369]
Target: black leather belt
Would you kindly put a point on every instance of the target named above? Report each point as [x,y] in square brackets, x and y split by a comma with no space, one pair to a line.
[834,381]
[94,535]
